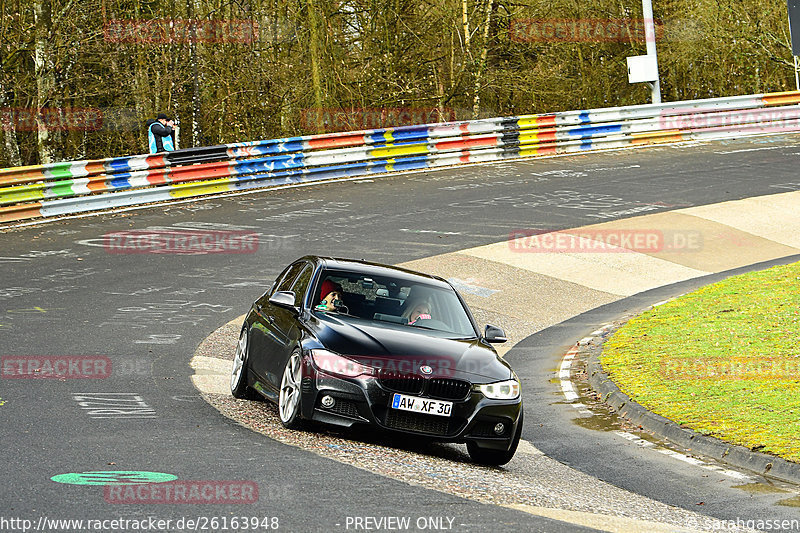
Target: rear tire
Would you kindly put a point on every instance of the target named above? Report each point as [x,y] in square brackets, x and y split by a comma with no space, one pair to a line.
[496,457]
[239,373]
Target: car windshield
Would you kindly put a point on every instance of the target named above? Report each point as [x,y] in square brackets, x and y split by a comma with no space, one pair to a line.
[392,301]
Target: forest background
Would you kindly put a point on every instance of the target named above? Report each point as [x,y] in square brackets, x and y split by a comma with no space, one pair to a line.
[79,78]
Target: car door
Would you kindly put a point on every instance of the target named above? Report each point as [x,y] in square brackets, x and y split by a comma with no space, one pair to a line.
[286,326]
[267,339]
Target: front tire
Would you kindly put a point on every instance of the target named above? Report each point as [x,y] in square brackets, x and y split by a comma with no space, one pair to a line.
[496,457]
[239,373]
[289,400]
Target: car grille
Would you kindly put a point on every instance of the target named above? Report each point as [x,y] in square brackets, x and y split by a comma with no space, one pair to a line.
[448,389]
[441,388]
[344,408]
[408,383]
[433,425]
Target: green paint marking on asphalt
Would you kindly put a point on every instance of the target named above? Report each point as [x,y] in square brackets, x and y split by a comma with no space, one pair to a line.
[113,477]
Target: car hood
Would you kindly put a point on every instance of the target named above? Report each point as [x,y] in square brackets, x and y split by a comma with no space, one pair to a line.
[405,349]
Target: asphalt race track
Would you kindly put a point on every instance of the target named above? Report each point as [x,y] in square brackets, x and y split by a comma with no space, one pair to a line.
[63,293]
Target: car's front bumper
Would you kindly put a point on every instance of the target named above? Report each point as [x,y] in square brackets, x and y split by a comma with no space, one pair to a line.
[366,401]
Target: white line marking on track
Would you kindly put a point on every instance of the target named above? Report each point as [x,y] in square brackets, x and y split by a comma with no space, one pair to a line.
[601,331]
[563,375]
[569,393]
[751,150]
[685,458]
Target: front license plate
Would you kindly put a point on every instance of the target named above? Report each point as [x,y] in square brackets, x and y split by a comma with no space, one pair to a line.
[421,405]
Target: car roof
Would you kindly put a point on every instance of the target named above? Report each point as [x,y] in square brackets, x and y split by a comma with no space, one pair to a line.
[378,269]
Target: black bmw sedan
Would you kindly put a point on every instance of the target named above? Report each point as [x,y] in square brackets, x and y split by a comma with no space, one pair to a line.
[347,342]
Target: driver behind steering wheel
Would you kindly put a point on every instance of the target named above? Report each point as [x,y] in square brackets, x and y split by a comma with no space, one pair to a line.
[330,297]
[420,310]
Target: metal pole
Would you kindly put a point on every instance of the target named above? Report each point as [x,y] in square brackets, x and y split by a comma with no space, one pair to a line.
[650,38]
[796,74]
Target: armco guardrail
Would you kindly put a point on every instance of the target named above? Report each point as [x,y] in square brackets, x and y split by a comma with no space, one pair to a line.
[75,187]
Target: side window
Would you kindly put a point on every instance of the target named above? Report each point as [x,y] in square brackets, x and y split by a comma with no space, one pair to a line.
[288,280]
[301,285]
[277,281]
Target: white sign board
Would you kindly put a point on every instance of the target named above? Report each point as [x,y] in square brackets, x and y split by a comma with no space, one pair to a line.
[642,69]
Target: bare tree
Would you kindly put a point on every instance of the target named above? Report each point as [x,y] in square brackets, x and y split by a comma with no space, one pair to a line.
[476,99]
[48,138]
[454,58]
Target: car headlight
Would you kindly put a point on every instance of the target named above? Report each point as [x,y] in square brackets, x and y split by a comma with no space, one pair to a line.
[502,390]
[337,365]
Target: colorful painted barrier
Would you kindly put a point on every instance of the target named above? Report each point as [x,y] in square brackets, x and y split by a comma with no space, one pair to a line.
[75,187]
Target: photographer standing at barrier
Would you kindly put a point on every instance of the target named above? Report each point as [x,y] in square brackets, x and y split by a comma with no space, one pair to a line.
[160,135]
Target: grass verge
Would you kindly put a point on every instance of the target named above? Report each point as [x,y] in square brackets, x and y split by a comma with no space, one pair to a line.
[723,360]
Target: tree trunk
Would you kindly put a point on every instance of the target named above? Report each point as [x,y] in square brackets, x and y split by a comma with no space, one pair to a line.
[476,100]
[465,23]
[9,130]
[47,139]
[140,96]
[191,10]
[316,80]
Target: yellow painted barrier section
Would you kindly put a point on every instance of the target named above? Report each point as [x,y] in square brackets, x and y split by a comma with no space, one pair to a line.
[185,190]
[22,193]
[399,150]
[535,121]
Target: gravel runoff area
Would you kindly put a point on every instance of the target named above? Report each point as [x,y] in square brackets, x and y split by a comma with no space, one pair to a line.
[531,482]
[722,360]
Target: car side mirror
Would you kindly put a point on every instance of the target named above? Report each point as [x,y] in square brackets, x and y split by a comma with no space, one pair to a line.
[494,334]
[284,299]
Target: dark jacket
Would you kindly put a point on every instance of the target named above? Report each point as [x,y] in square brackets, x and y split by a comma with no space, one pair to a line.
[160,138]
